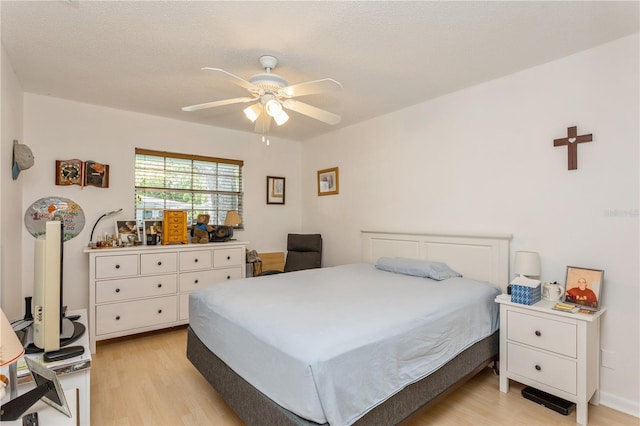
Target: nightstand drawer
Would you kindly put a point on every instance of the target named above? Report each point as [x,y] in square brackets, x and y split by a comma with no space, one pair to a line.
[158,263]
[552,335]
[193,260]
[545,368]
[135,288]
[227,257]
[117,266]
[117,317]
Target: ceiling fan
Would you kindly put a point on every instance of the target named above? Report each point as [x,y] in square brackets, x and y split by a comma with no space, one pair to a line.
[273,96]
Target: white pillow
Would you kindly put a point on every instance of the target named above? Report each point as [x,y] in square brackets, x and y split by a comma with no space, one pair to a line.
[420,268]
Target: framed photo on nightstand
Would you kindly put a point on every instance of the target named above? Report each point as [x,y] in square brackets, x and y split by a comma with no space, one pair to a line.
[584,287]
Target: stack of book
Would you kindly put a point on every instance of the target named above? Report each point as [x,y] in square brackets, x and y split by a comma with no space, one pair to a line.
[566,307]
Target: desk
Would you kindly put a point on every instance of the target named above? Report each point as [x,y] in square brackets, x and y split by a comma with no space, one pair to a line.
[73,373]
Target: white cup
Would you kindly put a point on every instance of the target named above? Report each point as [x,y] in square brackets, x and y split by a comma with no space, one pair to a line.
[552,291]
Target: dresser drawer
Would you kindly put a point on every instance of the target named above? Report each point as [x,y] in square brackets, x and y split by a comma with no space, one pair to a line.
[183,307]
[197,259]
[545,368]
[117,266]
[552,335]
[190,281]
[135,288]
[158,263]
[117,317]
[227,257]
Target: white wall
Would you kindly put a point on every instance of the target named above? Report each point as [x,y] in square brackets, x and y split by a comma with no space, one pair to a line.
[10,193]
[483,160]
[57,129]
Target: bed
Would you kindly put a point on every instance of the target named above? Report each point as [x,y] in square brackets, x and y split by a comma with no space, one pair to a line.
[372,355]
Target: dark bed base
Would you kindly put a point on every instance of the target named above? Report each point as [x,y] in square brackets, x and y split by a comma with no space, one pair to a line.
[254,408]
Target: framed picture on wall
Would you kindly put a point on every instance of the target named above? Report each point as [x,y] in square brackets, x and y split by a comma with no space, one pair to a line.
[275,190]
[584,287]
[328,181]
[96,174]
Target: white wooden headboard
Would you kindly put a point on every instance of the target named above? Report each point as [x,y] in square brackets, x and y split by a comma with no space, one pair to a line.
[483,257]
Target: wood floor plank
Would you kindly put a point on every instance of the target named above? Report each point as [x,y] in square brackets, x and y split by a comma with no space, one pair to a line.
[147,380]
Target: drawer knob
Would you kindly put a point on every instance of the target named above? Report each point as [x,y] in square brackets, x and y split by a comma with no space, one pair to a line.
[538,333]
[118,318]
[159,263]
[195,281]
[228,277]
[159,285]
[159,311]
[117,266]
[195,260]
[117,290]
[228,257]
[538,368]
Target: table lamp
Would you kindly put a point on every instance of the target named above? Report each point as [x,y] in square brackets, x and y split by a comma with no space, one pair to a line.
[108,214]
[233,218]
[527,263]
[10,351]
[46,381]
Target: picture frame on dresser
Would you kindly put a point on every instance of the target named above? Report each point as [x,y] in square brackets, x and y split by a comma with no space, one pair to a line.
[584,287]
[152,232]
[127,231]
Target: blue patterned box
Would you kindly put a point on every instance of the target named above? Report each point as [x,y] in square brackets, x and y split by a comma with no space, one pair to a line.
[526,295]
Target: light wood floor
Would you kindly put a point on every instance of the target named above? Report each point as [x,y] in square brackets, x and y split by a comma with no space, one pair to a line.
[147,380]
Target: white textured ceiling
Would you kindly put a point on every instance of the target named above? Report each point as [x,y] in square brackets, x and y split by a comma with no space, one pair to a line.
[146,56]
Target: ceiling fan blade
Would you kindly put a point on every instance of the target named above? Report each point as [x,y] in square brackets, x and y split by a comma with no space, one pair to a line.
[263,124]
[237,80]
[311,111]
[218,103]
[310,88]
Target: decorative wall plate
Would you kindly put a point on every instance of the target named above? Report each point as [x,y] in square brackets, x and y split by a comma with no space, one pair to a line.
[54,208]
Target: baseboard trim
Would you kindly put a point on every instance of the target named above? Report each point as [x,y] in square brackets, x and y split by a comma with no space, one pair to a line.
[626,406]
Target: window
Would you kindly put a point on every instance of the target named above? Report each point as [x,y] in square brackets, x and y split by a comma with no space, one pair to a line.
[197,184]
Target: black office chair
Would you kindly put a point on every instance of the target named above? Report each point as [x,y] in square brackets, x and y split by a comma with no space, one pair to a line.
[304,251]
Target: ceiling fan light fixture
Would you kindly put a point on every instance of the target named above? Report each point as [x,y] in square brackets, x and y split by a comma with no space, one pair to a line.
[253,112]
[273,107]
[281,118]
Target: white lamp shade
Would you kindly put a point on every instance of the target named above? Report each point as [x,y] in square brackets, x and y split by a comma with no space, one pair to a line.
[281,118]
[253,112]
[527,263]
[10,347]
[233,218]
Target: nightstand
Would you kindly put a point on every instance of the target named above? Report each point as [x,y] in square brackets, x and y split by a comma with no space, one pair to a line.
[553,351]
[73,373]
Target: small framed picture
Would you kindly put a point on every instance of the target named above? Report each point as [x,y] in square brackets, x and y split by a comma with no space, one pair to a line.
[127,231]
[152,232]
[275,190]
[328,181]
[96,174]
[584,287]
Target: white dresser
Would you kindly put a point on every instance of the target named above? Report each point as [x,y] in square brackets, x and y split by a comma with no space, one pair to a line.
[144,288]
[553,351]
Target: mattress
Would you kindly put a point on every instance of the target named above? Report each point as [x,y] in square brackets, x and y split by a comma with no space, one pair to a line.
[330,344]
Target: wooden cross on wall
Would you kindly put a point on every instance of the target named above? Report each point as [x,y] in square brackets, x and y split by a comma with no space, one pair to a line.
[572,141]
